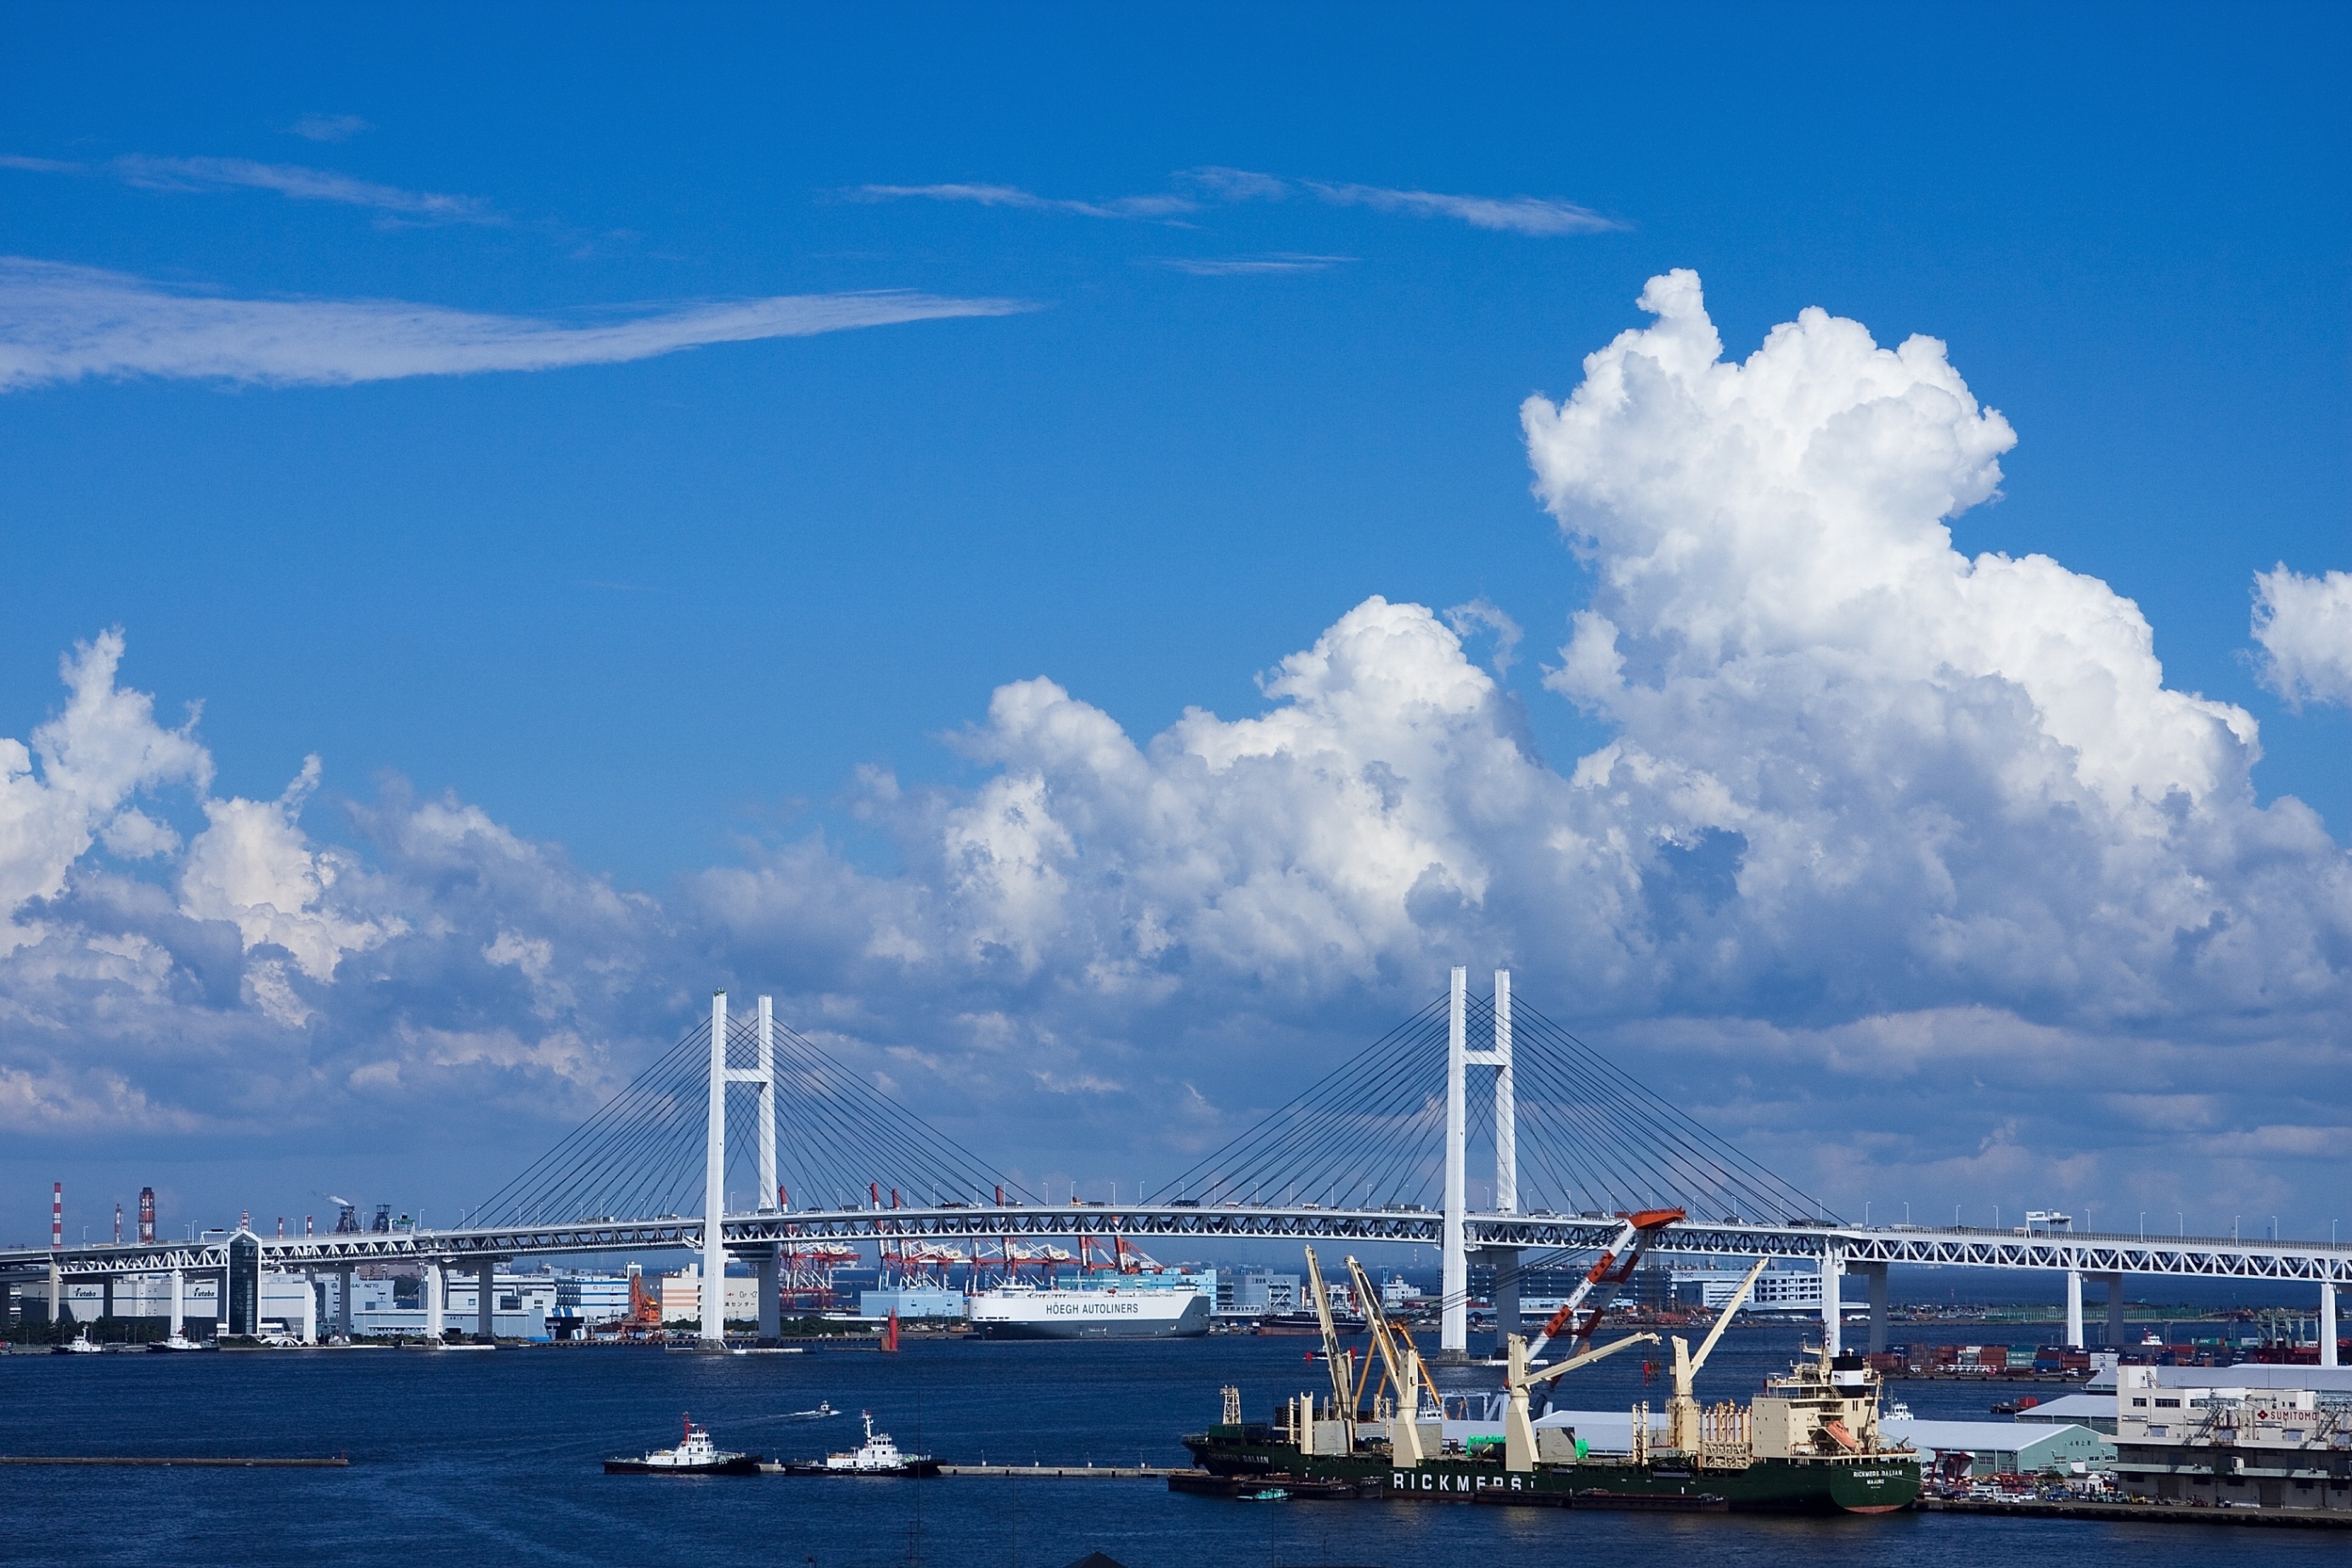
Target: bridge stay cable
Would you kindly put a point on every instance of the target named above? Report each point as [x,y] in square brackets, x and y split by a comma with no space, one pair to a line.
[840,1142]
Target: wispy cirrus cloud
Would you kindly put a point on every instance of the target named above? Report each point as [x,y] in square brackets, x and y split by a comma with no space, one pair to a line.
[60,323]
[293,181]
[1541,216]
[1247,265]
[328,127]
[1131,207]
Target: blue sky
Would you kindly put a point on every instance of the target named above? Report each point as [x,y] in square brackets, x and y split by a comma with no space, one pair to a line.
[1188,334]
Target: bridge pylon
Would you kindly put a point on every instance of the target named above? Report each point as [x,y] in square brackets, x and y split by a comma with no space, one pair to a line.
[1454,1327]
[762,1077]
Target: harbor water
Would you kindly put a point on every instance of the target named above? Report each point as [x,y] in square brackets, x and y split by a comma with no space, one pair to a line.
[460,1456]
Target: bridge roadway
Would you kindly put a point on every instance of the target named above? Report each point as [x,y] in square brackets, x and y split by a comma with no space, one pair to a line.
[1858,1246]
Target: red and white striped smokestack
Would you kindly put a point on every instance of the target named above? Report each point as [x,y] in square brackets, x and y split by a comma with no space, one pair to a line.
[57,1217]
[147,1215]
[117,1225]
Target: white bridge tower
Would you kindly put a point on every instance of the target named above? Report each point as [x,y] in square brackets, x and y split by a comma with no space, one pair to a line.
[762,1076]
[1454,1332]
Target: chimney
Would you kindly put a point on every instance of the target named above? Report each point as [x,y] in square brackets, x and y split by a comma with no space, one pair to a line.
[57,1217]
[147,1215]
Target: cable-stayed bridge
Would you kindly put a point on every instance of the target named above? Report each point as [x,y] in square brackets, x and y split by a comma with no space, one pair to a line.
[1476,1125]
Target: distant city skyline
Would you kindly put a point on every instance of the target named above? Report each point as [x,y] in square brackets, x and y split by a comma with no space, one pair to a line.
[1094,558]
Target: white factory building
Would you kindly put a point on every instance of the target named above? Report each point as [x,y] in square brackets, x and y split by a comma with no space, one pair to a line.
[2243,1436]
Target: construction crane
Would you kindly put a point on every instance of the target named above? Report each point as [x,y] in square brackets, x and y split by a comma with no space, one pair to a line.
[1682,1410]
[1518,1426]
[1612,1269]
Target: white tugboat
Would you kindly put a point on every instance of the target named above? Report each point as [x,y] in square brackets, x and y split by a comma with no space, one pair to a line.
[696,1456]
[174,1343]
[877,1456]
[79,1345]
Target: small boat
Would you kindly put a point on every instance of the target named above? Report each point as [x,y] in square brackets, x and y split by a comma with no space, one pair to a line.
[174,1342]
[80,1345]
[696,1456]
[1266,1494]
[877,1456]
[823,1412]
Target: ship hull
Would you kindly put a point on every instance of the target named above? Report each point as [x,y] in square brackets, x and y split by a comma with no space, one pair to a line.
[1877,1484]
[1091,1315]
[734,1464]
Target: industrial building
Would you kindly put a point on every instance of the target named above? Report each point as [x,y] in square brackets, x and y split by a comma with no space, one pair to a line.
[910,1302]
[2004,1447]
[681,1295]
[1254,1293]
[2266,1436]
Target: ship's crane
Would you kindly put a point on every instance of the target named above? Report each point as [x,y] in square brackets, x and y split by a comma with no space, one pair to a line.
[1518,1426]
[1682,1410]
[1343,1401]
[1613,1268]
[1399,1369]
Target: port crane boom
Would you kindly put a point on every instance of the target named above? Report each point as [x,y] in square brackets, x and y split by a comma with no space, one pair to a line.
[1613,1268]
[1343,1399]
[1519,1426]
[1682,1410]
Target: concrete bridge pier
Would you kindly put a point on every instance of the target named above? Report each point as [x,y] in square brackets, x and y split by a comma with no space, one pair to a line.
[179,1301]
[767,1265]
[309,1329]
[56,1290]
[1833,1303]
[2327,1330]
[2074,1309]
[1506,1261]
[436,1302]
[485,1299]
[1876,1274]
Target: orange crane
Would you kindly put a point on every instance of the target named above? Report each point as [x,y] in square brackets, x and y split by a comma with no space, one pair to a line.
[1612,1269]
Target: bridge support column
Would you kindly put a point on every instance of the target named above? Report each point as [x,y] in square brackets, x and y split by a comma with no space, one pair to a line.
[2327,1329]
[436,1301]
[308,1327]
[1506,1261]
[343,1300]
[771,1318]
[1876,1273]
[179,1301]
[1453,1300]
[1833,1307]
[57,1291]
[2074,1309]
[106,1297]
[2115,1312]
[714,1184]
[485,1299]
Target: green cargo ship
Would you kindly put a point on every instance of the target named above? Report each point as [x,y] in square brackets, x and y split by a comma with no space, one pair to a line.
[1809,1444]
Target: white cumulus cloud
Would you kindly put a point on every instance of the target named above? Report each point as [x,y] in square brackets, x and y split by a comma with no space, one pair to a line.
[2304,627]
[1905,866]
